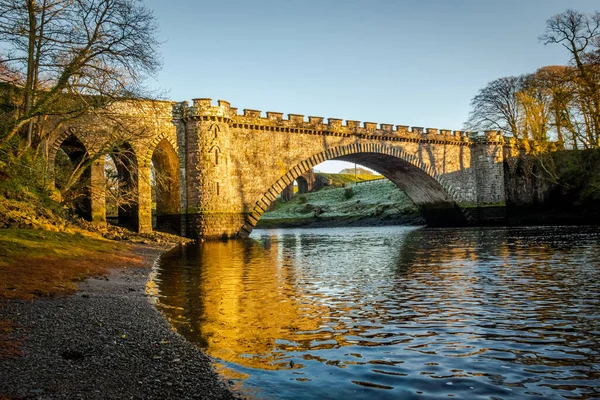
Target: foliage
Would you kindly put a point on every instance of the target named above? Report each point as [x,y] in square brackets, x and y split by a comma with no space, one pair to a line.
[62,61]
[26,199]
[70,57]
[348,193]
[555,103]
[496,107]
[559,103]
[578,176]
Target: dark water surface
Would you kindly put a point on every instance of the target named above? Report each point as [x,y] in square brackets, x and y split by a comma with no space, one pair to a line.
[394,312]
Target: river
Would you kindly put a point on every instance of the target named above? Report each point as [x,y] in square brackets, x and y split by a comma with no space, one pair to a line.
[393,312]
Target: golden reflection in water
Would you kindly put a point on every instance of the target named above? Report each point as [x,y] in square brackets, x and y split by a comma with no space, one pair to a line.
[237,302]
[254,303]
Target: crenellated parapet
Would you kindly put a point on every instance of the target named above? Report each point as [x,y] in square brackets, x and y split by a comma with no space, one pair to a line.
[313,125]
[203,109]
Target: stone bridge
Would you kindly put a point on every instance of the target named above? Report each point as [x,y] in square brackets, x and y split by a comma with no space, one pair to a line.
[224,168]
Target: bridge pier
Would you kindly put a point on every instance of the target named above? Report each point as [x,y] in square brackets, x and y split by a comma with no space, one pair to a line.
[144,200]
[98,193]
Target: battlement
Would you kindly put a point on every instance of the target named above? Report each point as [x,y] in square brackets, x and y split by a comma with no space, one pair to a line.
[272,120]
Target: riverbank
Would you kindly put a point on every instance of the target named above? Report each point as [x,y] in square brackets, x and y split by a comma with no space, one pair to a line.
[104,341]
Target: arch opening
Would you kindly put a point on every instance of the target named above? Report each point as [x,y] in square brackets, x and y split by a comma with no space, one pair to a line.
[299,186]
[165,184]
[302,185]
[120,172]
[424,188]
[72,176]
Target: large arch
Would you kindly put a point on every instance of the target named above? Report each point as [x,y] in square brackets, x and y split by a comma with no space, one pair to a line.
[436,199]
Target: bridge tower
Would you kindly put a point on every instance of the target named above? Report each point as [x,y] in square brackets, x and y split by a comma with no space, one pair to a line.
[209,195]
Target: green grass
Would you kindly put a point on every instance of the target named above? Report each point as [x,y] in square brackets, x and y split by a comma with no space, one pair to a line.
[380,200]
[346,179]
[43,263]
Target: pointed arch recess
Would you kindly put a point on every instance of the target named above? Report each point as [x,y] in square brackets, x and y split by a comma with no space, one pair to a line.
[147,158]
[271,194]
[56,145]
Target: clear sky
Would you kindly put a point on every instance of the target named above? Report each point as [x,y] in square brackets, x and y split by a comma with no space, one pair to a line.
[415,63]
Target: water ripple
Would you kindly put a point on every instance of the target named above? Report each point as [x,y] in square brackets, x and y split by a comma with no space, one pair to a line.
[395,312]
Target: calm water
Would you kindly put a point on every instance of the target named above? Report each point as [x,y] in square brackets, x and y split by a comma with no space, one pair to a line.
[394,312]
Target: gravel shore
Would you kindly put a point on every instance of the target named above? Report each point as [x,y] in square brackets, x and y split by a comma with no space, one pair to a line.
[106,341]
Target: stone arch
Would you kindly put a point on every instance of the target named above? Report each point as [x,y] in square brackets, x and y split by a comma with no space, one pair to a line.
[428,190]
[147,157]
[54,148]
[166,186]
[73,179]
[302,185]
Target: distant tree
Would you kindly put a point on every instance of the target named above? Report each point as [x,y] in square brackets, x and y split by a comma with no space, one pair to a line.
[579,33]
[554,83]
[74,56]
[496,107]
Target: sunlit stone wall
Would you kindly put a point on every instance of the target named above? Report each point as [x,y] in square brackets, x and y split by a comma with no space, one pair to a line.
[237,164]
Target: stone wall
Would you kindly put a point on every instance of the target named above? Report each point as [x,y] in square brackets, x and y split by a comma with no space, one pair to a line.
[136,125]
[238,164]
[226,168]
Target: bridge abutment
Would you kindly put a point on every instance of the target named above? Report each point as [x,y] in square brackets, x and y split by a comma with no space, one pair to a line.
[488,164]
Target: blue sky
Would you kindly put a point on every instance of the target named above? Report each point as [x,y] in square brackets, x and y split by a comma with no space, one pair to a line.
[400,62]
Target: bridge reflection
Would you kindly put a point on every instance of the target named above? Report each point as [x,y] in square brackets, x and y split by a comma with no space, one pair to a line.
[294,297]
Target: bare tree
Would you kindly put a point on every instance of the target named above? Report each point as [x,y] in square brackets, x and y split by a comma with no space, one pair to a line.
[76,56]
[579,33]
[496,106]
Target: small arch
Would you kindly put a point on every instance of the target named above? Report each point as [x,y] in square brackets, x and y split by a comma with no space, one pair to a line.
[420,182]
[165,187]
[169,137]
[71,174]
[302,185]
[70,134]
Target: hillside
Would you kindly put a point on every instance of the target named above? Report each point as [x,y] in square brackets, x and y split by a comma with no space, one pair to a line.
[357,171]
[370,203]
[342,179]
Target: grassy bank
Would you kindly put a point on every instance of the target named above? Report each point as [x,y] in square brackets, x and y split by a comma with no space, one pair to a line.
[36,263]
[42,263]
[372,203]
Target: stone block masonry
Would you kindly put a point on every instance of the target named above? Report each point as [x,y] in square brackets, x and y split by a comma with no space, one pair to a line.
[225,168]
[238,163]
